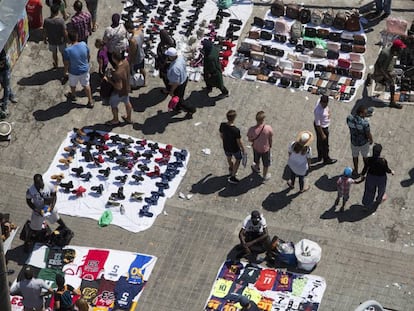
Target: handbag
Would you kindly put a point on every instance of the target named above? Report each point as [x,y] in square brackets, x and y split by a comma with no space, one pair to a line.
[305,16]
[346,47]
[352,22]
[319,52]
[265,35]
[359,40]
[310,32]
[316,17]
[332,54]
[258,22]
[278,37]
[292,11]
[106,89]
[358,49]
[269,25]
[322,33]
[335,36]
[277,8]
[344,63]
[254,34]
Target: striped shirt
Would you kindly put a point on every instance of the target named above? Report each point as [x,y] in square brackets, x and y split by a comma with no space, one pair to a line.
[81,23]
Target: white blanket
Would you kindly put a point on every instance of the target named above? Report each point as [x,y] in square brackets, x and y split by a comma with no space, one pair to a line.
[92,205]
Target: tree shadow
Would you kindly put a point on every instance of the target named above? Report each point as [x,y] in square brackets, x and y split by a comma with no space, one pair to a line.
[276,201]
[355,212]
[146,100]
[247,183]
[408,182]
[209,184]
[327,184]
[42,77]
[56,111]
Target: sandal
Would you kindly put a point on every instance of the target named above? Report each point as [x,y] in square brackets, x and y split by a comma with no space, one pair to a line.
[305,189]
[290,185]
[126,120]
[111,123]
[89,105]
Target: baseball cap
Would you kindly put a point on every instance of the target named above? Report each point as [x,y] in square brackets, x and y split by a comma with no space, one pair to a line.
[397,43]
[348,171]
[256,215]
[244,301]
[171,52]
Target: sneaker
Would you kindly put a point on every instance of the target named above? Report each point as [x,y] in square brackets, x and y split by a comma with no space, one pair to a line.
[233,180]
[255,169]
[267,177]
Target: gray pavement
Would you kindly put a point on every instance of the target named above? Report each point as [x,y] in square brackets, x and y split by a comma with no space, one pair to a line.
[364,256]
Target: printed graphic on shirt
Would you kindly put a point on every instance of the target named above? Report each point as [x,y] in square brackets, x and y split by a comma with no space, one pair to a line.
[125,293]
[49,275]
[230,270]
[230,306]
[54,258]
[215,304]
[136,270]
[237,288]
[114,268]
[106,295]
[283,282]
[89,290]
[266,279]
[93,265]
[221,288]
[265,304]
[249,275]
[253,294]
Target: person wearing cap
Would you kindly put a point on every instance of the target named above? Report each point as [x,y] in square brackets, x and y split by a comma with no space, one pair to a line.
[322,114]
[247,304]
[361,137]
[136,53]
[253,235]
[376,170]
[343,185]
[81,22]
[115,38]
[31,289]
[384,69]
[300,154]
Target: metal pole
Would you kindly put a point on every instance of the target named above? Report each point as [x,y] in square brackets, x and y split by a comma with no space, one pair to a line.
[4,285]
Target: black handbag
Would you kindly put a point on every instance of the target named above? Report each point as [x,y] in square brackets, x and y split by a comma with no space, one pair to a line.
[309,44]
[269,25]
[259,22]
[309,66]
[335,36]
[284,81]
[332,54]
[346,47]
[320,67]
[280,38]
[310,32]
[265,35]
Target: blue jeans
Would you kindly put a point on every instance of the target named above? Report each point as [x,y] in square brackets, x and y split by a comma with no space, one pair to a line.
[5,84]
[383,5]
[374,184]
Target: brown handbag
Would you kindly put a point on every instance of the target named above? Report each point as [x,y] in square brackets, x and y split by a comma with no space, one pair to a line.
[292,11]
[254,34]
[358,49]
[352,23]
[322,33]
[356,74]
[262,77]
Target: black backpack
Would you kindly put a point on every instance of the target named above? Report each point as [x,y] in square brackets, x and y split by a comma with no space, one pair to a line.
[277,8]
[305,16]
[63,238]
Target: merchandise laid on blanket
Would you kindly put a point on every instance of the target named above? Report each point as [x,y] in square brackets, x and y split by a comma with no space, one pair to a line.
[318,51]
[189,23]
[107,279]
[114,178]
[403,64]
[271,289]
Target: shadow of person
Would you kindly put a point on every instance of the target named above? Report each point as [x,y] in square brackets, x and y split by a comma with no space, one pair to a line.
[356,212]
[200,99]
[42,77]
[209,184]
[146,100]
[56,111]
[235,254]
[410,181]
[276,201]
[159,122]
[18,255]
[330,213]
[327,184]
[367,101]
[247,183]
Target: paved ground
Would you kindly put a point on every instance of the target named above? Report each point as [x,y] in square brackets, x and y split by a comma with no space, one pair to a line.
[365,256]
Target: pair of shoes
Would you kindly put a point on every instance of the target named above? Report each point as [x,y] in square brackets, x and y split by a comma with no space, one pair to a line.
[395,105]
[58,177]
[89,105]
[290,185]
[330,161]
[233,180]
[305,189]
[255,169]
[126,120]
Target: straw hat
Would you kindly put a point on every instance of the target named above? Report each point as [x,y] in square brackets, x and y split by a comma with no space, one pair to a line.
[304,138]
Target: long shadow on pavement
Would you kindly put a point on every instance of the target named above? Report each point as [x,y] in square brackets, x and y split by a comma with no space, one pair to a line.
[327,184]
[146,100]
[276,201]
[17,255]
[159,122]
[42,77]
[209,184]
[247,183]
[56,111]
[354,213]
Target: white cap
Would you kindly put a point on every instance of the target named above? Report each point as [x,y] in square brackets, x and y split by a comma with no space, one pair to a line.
[171,52]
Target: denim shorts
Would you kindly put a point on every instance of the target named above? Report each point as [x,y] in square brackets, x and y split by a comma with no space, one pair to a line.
[115,99]
[238,155]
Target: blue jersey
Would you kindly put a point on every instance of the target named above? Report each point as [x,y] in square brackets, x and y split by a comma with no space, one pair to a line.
[137,269]
[125,293]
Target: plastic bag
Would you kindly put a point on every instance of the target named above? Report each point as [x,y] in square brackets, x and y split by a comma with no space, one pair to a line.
[136,80]
[308,254]
[105,219]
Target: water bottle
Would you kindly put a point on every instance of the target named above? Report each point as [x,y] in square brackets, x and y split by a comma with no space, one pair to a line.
[122,209]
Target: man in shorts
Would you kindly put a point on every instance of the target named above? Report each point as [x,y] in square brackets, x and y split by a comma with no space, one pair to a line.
[55,33]
[136,54]
[120,81]
[232,145]
[76,59]
[361,137]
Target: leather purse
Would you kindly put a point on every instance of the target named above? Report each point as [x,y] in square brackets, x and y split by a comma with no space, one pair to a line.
[320,67]
[265,35]
[333,46]
[309,44]
[310,32]
[256,47]
[358,49]
[254,34]
[299,48]
[285,82]
[335,36]
[279,38]
[332,54]
[269,25]
[258,22]
[253,71]
[346,47]
[344,63]
[277,52]
[272,80]
[322,33]
[256,55]
[359,40]
[271,59]
[355,74]
[292,11]
[262,77]
[309,66]
[357,66]
[355,57]
[297,65]
[319,52]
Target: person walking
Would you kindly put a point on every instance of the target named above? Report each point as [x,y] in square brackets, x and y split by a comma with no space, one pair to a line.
[261,136]
[115,38]
[30,289]
[161,61]
[361,137]
[101,56]
[81,22]
[322,114]
[120,81]
[212,69]
[232,145]
[55,34]
[343,185]
[76,60]
[300,154]
[92,6]
[383,6]
[376,170]
[136,54]
[5,73]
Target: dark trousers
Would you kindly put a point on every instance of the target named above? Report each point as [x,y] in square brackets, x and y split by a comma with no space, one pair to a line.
[322,145]
[374,184]
[182,105]
[301,179]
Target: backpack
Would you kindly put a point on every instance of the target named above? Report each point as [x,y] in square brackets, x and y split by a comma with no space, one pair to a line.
[63,237]
[65,298]
[340,20]
[292,11]
[316,17]
[281,26]
[296,30]
[328,17]
[305,16]
[352,22]
[277,8]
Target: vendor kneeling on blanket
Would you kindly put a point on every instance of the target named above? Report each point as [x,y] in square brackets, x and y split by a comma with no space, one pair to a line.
[253,236]
[384,67]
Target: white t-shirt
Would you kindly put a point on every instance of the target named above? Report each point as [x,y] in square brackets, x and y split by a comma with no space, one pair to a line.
[250,227]
[298,162]
[38,197]
[31,291]
[322,115]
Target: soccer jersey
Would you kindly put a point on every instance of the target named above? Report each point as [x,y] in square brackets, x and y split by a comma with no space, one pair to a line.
[54,258]
[136,270]
[237,288]
[283,282]
[266,279]
[215,304]
[115,268]
[89,290]
[230,270]
[249,275]
[265,304]
[253,294]
[298,285]
[106,295]
[125,293]
[49,275]
[93,265]
[221,288]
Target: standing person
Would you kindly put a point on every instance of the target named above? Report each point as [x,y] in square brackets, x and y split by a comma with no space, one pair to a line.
[63,295]
[82,305]
[102,56]
[5,72]
[115,38]
[61,4]
[261,136]
[376,169]
[92,6]
[361,137]
[344,186]
[76,60]
[41,198]
[31,290]
[136,54]
[232,145]
[120,82]
[322,113]
[161,61]
[300,155]
[81,22]
[383,6]
[212,69]
[177,79]
[55,34]
[384,69]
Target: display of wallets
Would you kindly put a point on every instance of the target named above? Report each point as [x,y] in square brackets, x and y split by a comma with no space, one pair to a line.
[309,66]
[326,75]
[334,85]
[334,77]
[324,83]
[335,36]
[342,80]
[342,88]
[352,92]
[348,81]
[310,81]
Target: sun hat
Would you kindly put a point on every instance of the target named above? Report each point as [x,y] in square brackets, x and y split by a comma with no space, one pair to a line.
[348,171]
[171,52]
[304,138]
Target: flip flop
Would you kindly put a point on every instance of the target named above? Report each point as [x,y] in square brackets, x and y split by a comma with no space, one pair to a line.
[305,189]
[112,123]
[89,105]
[126,120]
